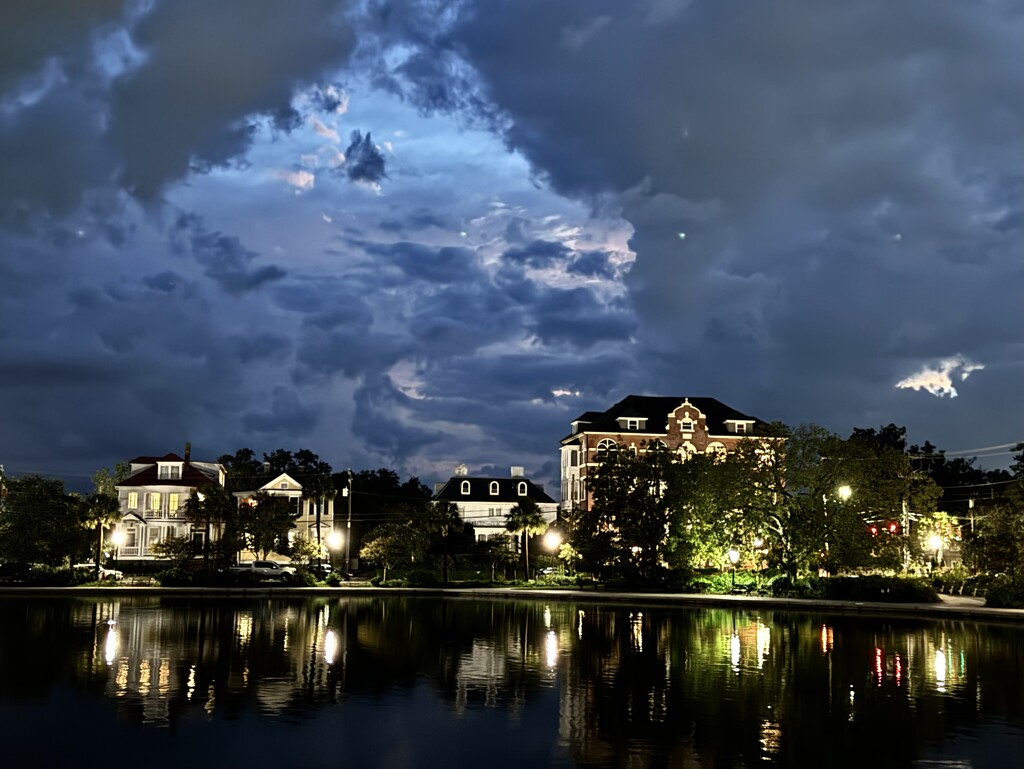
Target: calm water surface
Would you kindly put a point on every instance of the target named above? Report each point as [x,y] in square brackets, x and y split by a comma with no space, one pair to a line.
[391,681]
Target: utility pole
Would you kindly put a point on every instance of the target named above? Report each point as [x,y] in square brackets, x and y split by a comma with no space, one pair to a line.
[348,525]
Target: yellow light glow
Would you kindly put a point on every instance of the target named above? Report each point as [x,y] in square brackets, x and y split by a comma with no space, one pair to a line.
[330,647]
[551,648]
[844,492]
[552,540]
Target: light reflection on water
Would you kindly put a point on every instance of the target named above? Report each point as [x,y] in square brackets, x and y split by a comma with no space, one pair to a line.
[525,683]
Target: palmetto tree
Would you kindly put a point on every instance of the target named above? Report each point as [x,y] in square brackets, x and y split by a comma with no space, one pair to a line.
[525,520]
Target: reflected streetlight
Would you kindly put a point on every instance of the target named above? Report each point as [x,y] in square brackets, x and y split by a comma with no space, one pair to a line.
[734,557]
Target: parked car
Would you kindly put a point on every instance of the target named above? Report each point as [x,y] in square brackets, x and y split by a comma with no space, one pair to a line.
[321,570]
[263,569]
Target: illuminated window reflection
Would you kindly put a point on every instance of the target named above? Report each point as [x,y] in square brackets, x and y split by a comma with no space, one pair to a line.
[636,622]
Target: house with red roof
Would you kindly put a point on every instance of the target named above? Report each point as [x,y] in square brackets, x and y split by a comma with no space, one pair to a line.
[152,501]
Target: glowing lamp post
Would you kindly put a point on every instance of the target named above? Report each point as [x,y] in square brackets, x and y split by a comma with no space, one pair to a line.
[334,539]
[935,545]
[734,558]
[552,541]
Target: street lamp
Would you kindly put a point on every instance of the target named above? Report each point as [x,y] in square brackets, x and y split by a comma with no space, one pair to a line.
[552,541]
[734,557]
[844,492]
[334,539]
[935,543]
[347,493]
[116,539]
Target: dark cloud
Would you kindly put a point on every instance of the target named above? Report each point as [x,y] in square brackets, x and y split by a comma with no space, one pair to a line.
[539,253]
[224,259]
[447,264]
[379,421]
[364,162]
[592,264]
[804,180]
[286,415]
[107,92]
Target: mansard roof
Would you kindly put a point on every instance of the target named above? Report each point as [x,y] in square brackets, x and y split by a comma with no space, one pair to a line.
[480,490]
[655,409]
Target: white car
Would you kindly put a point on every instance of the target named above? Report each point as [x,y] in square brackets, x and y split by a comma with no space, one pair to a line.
[105,573]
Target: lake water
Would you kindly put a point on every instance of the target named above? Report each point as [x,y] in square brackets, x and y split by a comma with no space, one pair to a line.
[395,681]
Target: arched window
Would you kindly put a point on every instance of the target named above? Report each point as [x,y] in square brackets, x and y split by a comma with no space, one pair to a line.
[716,449]
[465,487]
[657,445]
[686,451]
[521,489]
[607,444]
[494,488]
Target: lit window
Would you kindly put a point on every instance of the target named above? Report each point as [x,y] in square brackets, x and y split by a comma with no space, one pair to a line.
[686,425]
[741,427]
[494,488]
[465,487]
[154,500]
[133,500]
[172,503]
[632,424]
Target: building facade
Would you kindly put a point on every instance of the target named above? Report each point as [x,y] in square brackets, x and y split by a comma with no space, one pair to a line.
[683,426]
[152,501]
[314,517]
[484,502]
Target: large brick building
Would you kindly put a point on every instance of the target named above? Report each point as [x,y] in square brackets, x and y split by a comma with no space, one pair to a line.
[684,426]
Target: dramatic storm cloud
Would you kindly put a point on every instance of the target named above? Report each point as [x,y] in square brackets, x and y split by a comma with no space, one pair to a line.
[812,211]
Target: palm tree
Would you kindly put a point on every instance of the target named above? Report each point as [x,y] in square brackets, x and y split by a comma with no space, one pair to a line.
[525,520]
[442,520]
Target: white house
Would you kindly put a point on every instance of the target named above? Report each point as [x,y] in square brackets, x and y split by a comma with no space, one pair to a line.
[485,502]
[152,501]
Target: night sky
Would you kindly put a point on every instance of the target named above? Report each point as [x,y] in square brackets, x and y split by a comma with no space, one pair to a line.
[413,235]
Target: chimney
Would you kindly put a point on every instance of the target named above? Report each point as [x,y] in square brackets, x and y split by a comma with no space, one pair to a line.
[188,451]
[517,472]
[461,471]
[266,468]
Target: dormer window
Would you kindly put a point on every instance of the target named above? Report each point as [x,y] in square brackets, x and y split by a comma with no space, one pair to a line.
[169,472]
[741,427]
[494,488]
[521,488]
[632,423]
[465,487]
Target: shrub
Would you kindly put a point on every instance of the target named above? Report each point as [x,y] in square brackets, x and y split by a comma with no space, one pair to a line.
[375,580]
[334,579]
[421,578]
[175,578]
[876,587]
[1005,595]
[801,587]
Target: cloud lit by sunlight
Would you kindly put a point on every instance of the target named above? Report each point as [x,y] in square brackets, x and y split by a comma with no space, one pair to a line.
[938,377]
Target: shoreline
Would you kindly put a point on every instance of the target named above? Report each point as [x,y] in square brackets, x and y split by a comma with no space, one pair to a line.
[948,607]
